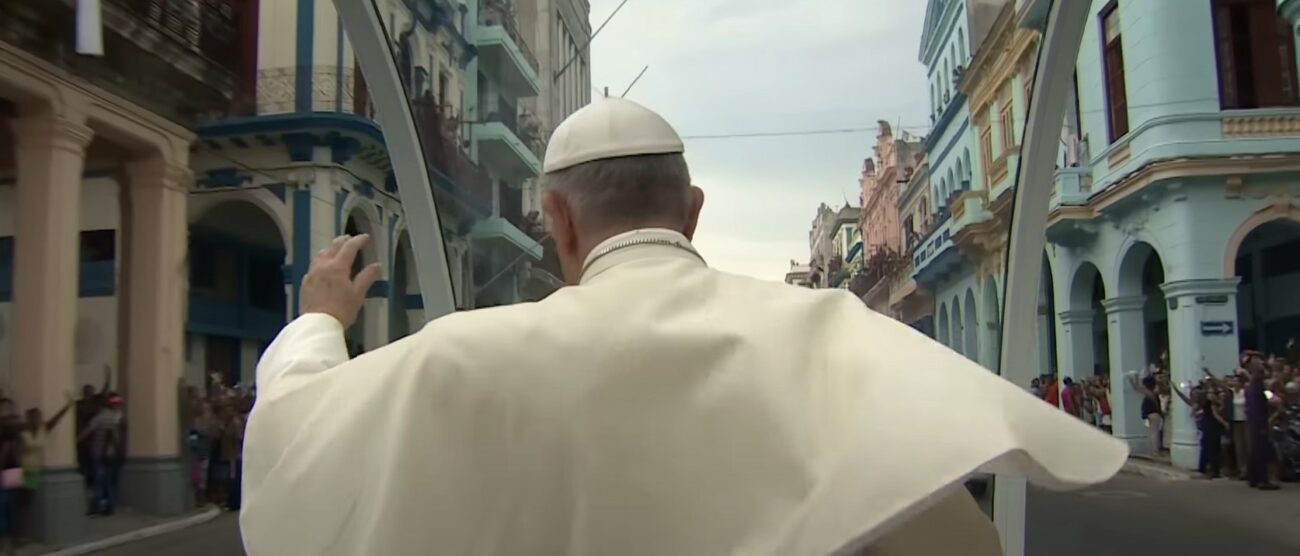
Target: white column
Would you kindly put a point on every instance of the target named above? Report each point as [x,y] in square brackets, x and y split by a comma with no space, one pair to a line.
[1125,321]
[375,332]
[1075,346]
[50,155]
[1202,334]
[1043,335]
[155,280]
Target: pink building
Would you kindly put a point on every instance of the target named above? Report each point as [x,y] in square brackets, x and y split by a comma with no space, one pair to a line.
[882,178]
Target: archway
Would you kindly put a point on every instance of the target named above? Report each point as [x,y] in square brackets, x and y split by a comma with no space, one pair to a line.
[1268,264]
[404,286]
[1047,358]
[993,324]
[956,334]
[359,223]
[1086,325]
[941,331]
[237,292]
[970,327]
[1141,272]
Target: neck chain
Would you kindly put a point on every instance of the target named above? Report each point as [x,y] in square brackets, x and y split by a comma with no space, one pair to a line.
[635,241]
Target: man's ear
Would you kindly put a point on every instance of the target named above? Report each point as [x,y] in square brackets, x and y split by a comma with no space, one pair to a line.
[695,203]
[562,226]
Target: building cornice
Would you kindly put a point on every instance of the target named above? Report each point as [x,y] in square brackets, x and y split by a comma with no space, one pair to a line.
[1226,167]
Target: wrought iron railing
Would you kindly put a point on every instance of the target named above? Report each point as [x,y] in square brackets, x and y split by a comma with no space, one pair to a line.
[501,13]
[206,27]
[181,59]
[881,264]
[525,128]
[439,127]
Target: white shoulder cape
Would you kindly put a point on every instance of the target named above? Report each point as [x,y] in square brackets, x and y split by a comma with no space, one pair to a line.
[661,408]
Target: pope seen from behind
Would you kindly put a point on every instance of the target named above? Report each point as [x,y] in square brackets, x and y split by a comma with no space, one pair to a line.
[654,406]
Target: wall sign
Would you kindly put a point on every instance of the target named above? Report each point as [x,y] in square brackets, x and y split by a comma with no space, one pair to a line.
[1217,327]
[1211,299]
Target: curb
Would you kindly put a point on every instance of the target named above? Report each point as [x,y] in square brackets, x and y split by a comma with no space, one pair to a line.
[1144,468]
[139,534]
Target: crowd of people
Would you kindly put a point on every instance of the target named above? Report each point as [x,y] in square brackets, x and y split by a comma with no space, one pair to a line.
[214,427]
[213,424]
[1248,419]
[100,435]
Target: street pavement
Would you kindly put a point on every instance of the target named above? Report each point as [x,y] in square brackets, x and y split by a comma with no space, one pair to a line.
[1140,516]
[1128,515]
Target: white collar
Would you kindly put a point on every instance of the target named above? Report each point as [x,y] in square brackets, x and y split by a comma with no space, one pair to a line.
[636,244]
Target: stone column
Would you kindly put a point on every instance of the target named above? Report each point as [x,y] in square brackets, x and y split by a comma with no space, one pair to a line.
[1202,334]
[375,333]
[1043,336]
[50,155]
[1075,355]
[154,478]
[1125,323]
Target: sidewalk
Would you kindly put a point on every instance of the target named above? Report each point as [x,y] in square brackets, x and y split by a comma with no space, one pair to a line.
[1152,467]
[122,528]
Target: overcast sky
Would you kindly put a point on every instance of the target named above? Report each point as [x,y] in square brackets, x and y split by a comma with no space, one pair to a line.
[746,66]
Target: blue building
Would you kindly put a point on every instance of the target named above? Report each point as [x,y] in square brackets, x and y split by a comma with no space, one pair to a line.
[300,160]
[1175,222]
[953,31]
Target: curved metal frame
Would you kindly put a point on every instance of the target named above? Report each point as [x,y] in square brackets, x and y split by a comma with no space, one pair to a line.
[1058,52]
[365,30]
[1056,60]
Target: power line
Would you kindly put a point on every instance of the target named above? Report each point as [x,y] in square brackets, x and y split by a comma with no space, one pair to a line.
[556,77]
[802,133]
[633,84]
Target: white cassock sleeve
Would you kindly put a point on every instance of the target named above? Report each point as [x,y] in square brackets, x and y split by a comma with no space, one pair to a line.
[309,345]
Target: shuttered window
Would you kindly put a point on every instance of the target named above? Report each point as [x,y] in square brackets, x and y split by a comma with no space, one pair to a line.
[1256,55]
[1113,67]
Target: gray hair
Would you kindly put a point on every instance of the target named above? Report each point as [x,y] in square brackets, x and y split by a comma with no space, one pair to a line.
[627,191]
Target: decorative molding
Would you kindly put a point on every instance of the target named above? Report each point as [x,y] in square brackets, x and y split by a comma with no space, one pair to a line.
[1280,209]
[1212,286]
[1235,166]
[1076,317]
[1273,125]
[1119,156]
[1116,305]
[1233,186]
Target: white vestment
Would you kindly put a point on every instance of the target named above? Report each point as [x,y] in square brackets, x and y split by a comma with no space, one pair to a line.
[659,408]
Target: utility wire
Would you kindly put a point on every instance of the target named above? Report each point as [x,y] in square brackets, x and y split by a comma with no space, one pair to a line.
[791,133]
[633,84]
[584,48]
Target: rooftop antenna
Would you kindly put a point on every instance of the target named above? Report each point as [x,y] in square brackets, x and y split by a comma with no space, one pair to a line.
[633,84]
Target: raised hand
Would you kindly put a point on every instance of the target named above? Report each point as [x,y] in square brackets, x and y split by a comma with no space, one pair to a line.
[329,286]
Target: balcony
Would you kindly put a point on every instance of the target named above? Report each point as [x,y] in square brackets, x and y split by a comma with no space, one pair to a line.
[181,59]
[878,269]
[937,255]
[968,208]
[455,176]
[227,318]
[498,232]
[511,149]
[502,51]
[1073,187]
